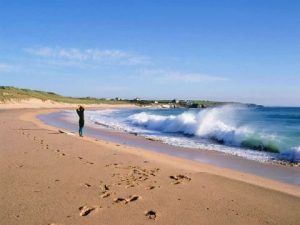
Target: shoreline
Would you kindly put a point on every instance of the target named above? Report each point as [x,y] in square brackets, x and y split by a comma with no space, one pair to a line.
[274,171]
[52,178]
[165,158]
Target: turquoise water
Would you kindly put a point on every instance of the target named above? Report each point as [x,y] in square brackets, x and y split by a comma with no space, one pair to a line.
[258,133]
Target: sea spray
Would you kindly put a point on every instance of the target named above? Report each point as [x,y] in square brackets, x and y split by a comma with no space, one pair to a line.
[232,129]
[220,124]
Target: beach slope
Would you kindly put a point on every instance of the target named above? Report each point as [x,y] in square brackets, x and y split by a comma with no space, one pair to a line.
[48,177]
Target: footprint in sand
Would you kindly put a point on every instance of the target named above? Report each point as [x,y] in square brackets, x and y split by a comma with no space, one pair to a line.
[105,195]
[87,185]
[135,176]
[103,187]
[150,214]
[178,179]
[129,186]
[85,210]
[150,187]
[119,199]
[131,198]
[116,165]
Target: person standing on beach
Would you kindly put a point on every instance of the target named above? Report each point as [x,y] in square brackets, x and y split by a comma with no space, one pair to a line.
[80,112]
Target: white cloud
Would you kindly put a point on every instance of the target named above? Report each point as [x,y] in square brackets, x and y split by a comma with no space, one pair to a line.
[165,75]
[92,55]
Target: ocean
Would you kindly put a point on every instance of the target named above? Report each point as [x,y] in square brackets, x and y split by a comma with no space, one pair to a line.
[256,133]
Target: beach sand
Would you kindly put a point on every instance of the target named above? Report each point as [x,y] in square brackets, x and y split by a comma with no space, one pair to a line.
[48,177]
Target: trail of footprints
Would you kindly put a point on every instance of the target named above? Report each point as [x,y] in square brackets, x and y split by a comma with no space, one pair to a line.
[46,146]
[131,177]
[179,179]
[134,177]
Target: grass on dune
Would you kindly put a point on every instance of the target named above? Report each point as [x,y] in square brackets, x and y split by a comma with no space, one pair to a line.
[8,93]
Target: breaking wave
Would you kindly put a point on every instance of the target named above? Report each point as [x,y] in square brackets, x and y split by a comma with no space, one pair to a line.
[222,125]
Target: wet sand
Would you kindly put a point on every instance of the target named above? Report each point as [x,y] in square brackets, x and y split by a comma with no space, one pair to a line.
[48,177]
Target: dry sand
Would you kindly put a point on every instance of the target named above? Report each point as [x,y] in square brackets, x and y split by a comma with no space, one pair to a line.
[48,177]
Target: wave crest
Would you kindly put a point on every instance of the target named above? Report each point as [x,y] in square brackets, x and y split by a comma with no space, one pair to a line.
[220,124]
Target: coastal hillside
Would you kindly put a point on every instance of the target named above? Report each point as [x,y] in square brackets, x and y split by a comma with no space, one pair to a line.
[13,94]
[9,94]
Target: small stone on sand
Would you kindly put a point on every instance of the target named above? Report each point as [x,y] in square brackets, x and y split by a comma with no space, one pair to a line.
[150,214]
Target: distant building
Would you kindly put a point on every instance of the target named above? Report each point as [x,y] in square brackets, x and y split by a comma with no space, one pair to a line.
[175,101]
[137,99]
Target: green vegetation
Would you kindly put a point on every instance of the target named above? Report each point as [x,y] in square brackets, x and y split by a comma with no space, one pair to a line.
[207,103]
[8,93]
[11,93]
[179,103]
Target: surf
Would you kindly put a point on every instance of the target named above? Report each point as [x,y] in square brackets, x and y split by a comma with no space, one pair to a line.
[234,129]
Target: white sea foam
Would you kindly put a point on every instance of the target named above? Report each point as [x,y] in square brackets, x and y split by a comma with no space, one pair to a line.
[218,123]
[212,129]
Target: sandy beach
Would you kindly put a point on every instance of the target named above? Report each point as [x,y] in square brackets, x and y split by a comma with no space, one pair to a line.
[48,177]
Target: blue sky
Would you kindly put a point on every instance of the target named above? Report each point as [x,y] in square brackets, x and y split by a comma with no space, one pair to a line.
[247,51]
